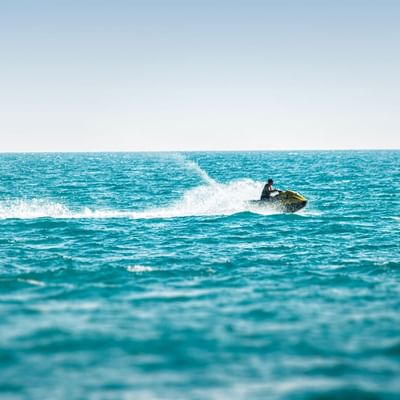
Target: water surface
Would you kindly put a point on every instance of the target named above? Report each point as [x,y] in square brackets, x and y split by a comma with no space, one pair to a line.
[148,276]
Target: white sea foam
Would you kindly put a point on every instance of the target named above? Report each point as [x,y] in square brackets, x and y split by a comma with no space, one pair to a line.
[35,208]
[309,213]
[43,208]
[139,269]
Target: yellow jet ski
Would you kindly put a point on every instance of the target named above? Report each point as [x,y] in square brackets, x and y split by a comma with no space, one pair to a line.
[285,201]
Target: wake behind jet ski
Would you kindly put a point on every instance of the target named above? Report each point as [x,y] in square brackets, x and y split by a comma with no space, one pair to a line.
[287,201]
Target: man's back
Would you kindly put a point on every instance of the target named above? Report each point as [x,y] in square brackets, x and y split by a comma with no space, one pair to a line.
[266,193]
[268,189]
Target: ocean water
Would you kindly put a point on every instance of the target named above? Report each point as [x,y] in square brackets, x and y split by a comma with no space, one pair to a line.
[148,276]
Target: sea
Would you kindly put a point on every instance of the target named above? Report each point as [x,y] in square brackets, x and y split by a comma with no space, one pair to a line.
[150,276]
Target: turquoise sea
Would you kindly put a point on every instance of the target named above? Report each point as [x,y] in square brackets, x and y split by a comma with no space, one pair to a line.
[148,276]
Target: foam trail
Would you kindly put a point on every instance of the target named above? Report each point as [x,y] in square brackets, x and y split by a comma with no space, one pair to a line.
[205,200]
[43,208]
[35,208]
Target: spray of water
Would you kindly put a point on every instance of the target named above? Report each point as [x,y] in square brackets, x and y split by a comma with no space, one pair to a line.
[193,166]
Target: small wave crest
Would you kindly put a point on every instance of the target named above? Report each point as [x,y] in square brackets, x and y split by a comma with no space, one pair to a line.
[139,269]
[32,282]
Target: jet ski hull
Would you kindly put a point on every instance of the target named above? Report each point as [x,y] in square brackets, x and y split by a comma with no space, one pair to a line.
[286,201]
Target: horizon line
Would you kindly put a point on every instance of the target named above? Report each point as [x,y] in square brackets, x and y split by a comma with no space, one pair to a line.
[190,151]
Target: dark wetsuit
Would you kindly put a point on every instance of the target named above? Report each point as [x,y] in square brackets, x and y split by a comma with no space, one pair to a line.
[266,193]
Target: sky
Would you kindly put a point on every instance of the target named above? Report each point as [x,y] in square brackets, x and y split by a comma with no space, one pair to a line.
[178,75]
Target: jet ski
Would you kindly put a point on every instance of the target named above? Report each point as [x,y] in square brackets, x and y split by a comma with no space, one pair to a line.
[285,201]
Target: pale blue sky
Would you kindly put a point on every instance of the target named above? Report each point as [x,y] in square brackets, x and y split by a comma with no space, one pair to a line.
[199,75]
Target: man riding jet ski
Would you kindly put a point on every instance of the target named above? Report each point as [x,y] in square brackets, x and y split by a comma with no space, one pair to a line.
[269,190]
[287,201]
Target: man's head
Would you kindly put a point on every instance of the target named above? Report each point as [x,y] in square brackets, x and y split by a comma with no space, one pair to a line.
[270,181]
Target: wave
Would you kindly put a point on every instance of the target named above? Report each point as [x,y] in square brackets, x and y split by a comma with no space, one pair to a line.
[139,269]
[32,282]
